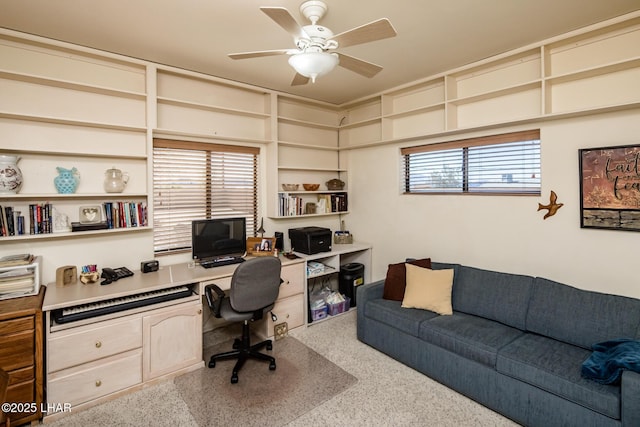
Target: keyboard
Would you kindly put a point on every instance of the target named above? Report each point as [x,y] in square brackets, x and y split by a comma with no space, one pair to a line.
[86,311]
[219,262]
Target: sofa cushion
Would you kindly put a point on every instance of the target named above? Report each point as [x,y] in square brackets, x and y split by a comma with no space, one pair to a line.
[554,366]
[502,297]
[428,289]
[580,317]
[395,282]
[407,320]
[469,336]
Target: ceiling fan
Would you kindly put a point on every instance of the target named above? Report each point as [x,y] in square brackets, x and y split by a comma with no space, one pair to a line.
[314,54]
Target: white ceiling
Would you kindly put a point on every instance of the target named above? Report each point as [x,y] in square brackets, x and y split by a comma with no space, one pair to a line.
[433,35]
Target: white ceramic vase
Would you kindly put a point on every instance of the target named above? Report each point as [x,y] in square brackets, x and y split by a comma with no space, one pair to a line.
[10,174]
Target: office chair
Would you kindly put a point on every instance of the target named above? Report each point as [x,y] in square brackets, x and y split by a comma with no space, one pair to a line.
[4,385]
[254,290]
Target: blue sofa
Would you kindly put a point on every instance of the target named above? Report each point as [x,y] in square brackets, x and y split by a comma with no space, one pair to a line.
[514,344]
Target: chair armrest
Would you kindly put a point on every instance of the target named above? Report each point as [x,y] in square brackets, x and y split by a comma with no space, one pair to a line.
[214,296]
[630,398]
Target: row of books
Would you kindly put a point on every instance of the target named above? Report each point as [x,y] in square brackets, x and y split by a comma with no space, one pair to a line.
[294,205]
[125,214]
[39,216]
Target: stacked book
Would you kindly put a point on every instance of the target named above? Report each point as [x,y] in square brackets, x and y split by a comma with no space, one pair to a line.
[17,276]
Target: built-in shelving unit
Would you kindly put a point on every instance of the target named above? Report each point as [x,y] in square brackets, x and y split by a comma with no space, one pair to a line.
[308,152]
[197,106]
[71,109]
[592,70]
[69,106]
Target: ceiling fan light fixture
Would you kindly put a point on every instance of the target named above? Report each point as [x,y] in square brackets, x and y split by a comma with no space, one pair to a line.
[313,64]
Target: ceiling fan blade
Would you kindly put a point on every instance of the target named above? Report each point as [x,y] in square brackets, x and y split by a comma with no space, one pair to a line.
[359,66]
[299,80]
[283,18]
[376,30]
[257,54]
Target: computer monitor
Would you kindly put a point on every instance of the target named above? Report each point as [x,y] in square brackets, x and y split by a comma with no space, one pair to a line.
[215,238]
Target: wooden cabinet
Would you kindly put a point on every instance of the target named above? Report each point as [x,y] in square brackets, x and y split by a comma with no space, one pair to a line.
[289,307]
[172,340]
[21,350]
[89,362]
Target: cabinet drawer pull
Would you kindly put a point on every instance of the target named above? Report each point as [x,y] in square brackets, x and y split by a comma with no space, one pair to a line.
[200,311]
[98,383]
[98,344]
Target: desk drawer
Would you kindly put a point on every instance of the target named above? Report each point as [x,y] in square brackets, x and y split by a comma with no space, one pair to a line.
[293,276]
[73,347]
[22,393]
[290,310]
[13,326]
[21,375]
[17,350]
[96,380]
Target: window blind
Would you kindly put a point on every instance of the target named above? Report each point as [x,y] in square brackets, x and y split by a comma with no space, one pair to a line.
[500,164]
[194,180]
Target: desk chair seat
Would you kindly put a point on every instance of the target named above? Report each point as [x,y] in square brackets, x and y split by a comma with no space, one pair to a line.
[254,290]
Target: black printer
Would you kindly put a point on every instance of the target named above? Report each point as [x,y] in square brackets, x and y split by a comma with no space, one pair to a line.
[310,240]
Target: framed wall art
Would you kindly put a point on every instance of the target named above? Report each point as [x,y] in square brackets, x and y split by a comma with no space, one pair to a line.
[610,188]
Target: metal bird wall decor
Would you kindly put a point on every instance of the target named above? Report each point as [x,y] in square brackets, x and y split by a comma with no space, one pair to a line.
[552,207]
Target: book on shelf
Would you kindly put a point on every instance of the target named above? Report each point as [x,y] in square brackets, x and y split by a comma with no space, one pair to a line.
[17,259]
[40,218]
[125,214]
[78,226]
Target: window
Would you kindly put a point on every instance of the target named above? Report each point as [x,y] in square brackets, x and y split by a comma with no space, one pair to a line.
[499,164]
[194,180]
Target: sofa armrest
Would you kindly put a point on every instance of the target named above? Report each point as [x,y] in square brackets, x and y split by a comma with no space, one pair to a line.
[630,398]
[369,291]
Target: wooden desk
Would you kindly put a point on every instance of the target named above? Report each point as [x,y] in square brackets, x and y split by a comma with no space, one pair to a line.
[94,360]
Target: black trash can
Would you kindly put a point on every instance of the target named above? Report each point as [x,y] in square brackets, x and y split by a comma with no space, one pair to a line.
[351,275]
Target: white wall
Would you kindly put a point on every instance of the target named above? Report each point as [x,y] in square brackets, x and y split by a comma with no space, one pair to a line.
[504,233]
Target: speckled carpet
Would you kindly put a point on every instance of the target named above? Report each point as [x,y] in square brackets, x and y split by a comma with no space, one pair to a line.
[386,393]
[302,380]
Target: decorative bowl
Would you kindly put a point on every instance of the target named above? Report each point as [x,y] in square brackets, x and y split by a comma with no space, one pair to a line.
[290,187]
[311,187]
[335,184]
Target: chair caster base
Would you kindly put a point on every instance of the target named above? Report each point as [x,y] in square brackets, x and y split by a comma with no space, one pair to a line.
[272,366]
[212,364]
[234,379]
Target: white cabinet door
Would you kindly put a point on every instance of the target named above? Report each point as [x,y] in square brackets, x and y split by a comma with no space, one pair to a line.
[172,339]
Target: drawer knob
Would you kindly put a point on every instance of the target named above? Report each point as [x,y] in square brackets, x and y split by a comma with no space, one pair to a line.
[98,344]
[98,383]
[200,311]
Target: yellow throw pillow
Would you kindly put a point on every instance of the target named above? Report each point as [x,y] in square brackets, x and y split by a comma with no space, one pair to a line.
[428,289]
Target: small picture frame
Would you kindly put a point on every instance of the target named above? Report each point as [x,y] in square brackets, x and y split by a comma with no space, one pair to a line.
[261,246]
[90,214]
